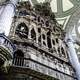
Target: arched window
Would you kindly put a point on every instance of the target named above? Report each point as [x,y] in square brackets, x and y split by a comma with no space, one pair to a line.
[38,18]
[53,42]
[1,62]
[49,33]
[33,34]
[47,23]
[59,50]
[49,40]
[18,58]
[57,40]
[39,40]
[44,43]
[54,29]
[43,36]
[39,30]
[22,30]
[18,53]
[62,50]
[23,13]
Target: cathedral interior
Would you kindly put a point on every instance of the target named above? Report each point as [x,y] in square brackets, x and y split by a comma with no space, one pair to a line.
[39,40]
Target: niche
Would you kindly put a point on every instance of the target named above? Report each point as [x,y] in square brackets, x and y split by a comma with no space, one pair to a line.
[62,50]
[53,42]
[49,39]
[57,40]
[48,33]
[39,30]
[22,30]
[18,53]
[47,23]
[33,34]
[43,36]
[18,58]
[39,40]
[1,62]
[23,13]
[49,42]
[44,43]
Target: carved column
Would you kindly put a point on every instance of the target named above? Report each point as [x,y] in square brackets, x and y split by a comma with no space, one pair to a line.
[6,46]
[7,16]
[72,55]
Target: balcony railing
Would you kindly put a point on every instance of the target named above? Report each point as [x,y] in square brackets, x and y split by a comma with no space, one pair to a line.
[39,67]
[5,42]
[20,61]
[40,47]
[6,45]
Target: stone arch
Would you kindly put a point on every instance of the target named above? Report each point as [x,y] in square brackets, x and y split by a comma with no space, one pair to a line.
[23,12]
[43,36]
[33,34]
[39,40]
[63,51]
[53,42]
[1,62]
[22,30]
[18,53]
[49,39]
[18,58]
[57,41]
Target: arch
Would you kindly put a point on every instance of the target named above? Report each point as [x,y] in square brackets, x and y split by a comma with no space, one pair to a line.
[49,33]
[1,62]
[18,58]
[22,30]
[39,18]
[57,40]
[62,50]
[53,41]
[39,39]
[18,53]
[43,36]
[49,42]
[54,29]
[44,43]
[23,13]
[39,30]
[49,39]
[59,50]
[47,23]
[33,34]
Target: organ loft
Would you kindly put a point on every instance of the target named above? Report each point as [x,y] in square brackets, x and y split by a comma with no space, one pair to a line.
[34,48]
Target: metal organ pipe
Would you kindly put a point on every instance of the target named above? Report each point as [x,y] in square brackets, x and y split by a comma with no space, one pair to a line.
[7,16]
